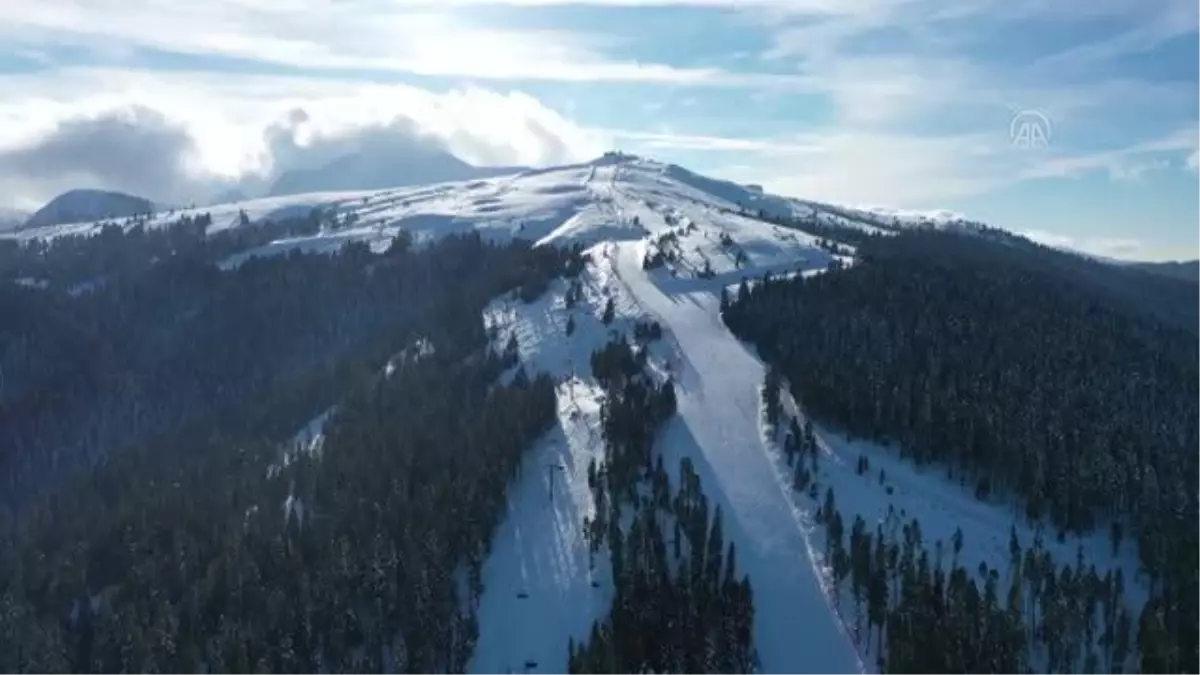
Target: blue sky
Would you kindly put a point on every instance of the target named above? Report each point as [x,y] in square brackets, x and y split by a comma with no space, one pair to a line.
[901,103]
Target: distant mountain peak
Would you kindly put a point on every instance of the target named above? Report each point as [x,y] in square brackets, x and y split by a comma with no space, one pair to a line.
[84,204]
[381,169]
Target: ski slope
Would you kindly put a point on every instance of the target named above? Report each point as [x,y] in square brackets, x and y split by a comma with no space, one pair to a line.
[717,426]
[541,587]
[540,590]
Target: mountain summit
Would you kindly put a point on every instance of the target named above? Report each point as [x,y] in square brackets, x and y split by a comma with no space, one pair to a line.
[372,169]
[81,205]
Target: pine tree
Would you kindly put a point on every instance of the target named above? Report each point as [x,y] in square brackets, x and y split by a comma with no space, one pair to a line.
[716,544]
[877,595]
[771,403]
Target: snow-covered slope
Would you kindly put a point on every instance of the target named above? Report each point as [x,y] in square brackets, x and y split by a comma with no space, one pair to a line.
[541,587]
[224,215]
[580,203]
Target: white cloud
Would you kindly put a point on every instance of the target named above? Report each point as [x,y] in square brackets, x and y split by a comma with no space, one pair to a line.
[901,65]
[1127,163]
[1136,171]
[132,148]
[1148,23]
[407,37]
[911,125]
[849,167]
[648,141]
[897,170]
[222,120]
[917,121]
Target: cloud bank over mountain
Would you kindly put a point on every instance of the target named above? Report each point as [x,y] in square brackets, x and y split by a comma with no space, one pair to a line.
[171,156]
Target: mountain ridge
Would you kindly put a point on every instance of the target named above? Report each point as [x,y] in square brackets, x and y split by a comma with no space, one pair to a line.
[1188,270]
[365,176]
[375,170]
[88,204]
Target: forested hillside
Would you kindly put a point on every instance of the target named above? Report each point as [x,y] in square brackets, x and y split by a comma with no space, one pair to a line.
[983,358]
[144,527]
[1156,290]
[680,606]
[1188,270]
[163,340]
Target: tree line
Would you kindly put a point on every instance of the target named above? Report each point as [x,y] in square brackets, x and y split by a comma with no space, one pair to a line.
[171,341]
[1016,375]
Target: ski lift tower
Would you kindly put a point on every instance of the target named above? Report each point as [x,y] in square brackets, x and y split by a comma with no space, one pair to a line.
[550,468]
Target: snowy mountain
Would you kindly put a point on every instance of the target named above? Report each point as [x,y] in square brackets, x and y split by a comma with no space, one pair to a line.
[82,205]
[378,168]
[663,243]
[615,197]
